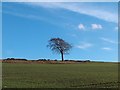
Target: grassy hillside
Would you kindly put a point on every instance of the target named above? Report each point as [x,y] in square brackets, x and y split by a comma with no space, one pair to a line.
[84,75]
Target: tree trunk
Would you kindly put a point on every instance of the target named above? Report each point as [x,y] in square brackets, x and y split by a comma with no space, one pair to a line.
[62,56]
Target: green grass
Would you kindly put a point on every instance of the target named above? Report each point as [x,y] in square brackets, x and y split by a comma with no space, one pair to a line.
[84,75]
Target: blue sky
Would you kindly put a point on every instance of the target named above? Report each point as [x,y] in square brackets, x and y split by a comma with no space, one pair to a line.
[90,27]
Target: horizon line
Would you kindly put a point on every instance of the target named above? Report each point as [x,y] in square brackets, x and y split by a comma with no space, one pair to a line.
[65,59]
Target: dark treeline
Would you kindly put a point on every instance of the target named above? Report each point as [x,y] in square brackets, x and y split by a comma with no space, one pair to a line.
[45,60]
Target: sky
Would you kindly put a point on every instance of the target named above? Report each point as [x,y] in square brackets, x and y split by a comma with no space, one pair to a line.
[90,27]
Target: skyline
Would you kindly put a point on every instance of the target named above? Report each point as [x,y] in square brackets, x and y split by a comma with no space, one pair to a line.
[90,27]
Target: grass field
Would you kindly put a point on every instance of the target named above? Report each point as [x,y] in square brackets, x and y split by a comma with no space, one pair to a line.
[84,75]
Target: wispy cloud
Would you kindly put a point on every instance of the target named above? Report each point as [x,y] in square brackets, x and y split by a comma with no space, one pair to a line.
[33,17]
[116,28]
[82,9]
[30,16]
[96,26]
[109,40]
[84,45]
[73,35]
[106,48]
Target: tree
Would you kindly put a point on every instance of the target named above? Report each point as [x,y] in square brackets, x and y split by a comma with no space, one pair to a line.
[60,46]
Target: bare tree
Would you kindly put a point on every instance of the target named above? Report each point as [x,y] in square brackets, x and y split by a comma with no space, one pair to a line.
[60,46]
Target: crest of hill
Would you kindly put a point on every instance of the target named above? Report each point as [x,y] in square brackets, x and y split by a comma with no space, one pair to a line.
[41,61]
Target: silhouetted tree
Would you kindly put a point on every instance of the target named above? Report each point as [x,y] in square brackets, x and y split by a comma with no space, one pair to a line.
[60,46]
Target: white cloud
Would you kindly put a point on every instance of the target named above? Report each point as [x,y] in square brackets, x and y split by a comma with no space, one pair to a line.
[82,9]
[96,26]
[106,48]
[81,27]
[109,40]
[84,45]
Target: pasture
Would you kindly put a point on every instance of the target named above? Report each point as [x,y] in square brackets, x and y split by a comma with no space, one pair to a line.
[83,75]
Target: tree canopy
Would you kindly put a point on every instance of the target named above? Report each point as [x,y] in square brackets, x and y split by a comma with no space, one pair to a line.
[60,46]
